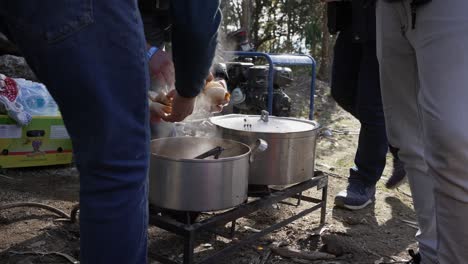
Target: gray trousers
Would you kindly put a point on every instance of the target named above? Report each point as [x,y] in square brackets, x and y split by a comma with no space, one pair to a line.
[424,82]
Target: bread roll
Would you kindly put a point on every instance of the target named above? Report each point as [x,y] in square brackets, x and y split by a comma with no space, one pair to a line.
[216,92]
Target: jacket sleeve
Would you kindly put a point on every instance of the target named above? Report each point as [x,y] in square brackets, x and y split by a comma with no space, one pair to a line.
[194,39]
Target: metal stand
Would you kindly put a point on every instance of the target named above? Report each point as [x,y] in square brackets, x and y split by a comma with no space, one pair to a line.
[189,231]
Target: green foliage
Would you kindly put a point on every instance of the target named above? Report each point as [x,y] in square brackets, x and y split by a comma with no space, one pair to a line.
[292,26]
[283,26]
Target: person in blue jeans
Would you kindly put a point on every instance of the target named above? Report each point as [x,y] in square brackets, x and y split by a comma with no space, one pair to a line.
[355,86]
[93,58]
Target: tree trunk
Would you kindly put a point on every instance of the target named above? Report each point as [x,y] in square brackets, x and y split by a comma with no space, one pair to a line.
[324,65]
[246,14]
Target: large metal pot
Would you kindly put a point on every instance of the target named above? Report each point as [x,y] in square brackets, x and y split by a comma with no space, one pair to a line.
[180,182]
[290,157]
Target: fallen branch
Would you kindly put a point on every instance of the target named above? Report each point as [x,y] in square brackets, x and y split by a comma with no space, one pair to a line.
[345,132]
[404,193]
[334,175]
[297,254]
[63,255]
[409,223]
[254,230]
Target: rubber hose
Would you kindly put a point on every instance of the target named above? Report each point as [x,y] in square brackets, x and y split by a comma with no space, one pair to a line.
[36,205]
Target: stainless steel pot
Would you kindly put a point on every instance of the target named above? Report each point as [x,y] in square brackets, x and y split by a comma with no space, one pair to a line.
[290,157]
[180,182]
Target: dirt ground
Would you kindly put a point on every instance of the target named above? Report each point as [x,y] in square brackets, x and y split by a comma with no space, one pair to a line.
[381,233]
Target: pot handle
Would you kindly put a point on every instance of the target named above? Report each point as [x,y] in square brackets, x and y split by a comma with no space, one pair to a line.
[260,146]
[264,115]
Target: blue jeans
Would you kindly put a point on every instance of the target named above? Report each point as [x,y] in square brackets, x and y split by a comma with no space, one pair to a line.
[91,56]
[356,88]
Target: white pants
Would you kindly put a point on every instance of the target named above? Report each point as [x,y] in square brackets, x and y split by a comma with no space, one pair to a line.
[424,82]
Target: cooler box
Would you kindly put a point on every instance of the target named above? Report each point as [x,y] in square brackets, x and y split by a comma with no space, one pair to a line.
[45,141]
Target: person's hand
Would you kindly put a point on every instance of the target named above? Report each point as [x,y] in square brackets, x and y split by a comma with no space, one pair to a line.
[181,108]
[162,67]
[158,111]
[160,105]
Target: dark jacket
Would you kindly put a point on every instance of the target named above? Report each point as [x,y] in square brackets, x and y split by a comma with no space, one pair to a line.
[358,14]
[194,32]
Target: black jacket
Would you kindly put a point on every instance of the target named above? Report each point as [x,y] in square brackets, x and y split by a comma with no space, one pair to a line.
[358,14]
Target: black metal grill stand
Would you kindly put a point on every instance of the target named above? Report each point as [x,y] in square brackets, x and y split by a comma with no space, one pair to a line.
[189,231]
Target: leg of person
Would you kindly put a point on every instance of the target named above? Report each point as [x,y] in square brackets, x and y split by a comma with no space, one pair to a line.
[398,173]
[373,146]
[344,86]
[440,39]
[400,87]
[345,71]
[91,56]
[355,86]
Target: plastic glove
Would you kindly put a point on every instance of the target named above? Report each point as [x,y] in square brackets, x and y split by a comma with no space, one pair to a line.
[160,105]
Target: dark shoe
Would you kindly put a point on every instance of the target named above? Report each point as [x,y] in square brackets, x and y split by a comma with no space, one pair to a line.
[398,173]
[356,196]
[415,257]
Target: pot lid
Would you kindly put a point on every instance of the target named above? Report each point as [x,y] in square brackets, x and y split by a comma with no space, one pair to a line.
[264,123]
